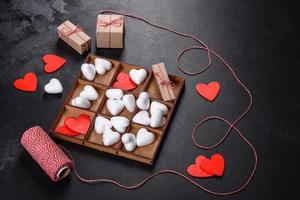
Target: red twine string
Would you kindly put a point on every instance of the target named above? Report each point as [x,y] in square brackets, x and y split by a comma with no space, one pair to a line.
[231,125]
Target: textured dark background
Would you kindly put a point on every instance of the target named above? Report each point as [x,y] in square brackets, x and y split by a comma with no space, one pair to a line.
[259,38]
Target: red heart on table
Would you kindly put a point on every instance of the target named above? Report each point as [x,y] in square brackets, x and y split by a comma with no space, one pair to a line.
[80,124]
[196,171]
[209,91]
[64,130]
[124,82]
[53,62]
[28,83]
[215,165]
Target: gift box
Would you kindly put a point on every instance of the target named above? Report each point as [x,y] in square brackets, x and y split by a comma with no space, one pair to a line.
[110,31]
[166,87]
[74,36]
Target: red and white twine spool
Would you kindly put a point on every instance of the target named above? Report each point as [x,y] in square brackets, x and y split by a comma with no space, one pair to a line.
[46,153]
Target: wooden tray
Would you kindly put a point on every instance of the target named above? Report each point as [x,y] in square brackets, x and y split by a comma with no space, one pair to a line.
[101,83]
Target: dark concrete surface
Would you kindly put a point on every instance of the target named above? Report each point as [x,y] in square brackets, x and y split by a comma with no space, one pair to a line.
[259,38]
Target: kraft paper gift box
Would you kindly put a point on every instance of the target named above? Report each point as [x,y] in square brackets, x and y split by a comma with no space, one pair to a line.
[110,31]
[74,36]
[166,87]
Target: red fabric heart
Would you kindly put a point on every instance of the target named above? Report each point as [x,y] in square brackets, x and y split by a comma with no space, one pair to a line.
[64,130]
[28,83]
[80,124]
[53,62]
[196,171]
[215,165]
[209,91]
[124,82]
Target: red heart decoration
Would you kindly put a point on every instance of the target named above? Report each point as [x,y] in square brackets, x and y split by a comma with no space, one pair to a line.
[66,131]
[215,165]
[124,82]
[28,83]
[80,124]
[209,91]
[53,62]
[196,171]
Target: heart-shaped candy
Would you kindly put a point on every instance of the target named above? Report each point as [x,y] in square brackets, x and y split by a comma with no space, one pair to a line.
[129,102]
[88,71]
[102,65]
[138,75]
[143,102]
[142,118]
[157,119]
[196,171]
[80,124]
[156,106]
[144,137]
[120,123]
[53,62]
[114,106]
[28,83]
[210,91]
[129,141]
[124,82]
[114,93]
[102,123]
[64,130]
[81,102]
[215,165]
[53,87]
[89,92]
[110,137]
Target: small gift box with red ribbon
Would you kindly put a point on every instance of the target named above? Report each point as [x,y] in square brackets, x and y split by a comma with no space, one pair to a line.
[110,31]
[166,87]
[74,36]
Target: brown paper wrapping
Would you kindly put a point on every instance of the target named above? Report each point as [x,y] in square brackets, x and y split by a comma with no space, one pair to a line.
[110,35]
[74,36]
[165,86]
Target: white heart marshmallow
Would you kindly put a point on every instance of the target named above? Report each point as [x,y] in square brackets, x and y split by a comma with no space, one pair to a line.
[143,102]
[144,137]
[142,118]
[120,123]
[129,102]
[80,102]
[102,123]
[114,106]
[88,71]
[89,92]
[129,141]
[53,87]
[138,75]
[102,65]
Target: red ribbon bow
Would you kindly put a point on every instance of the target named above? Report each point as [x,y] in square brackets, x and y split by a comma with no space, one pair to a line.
[168,83]
[116,22]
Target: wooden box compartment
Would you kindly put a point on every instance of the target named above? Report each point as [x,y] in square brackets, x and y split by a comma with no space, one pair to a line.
[104,111]
[124,67]
[73,112]
[147,152]
[79,87]
[95,140]
[101,83]
[107,78]
[166,116]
